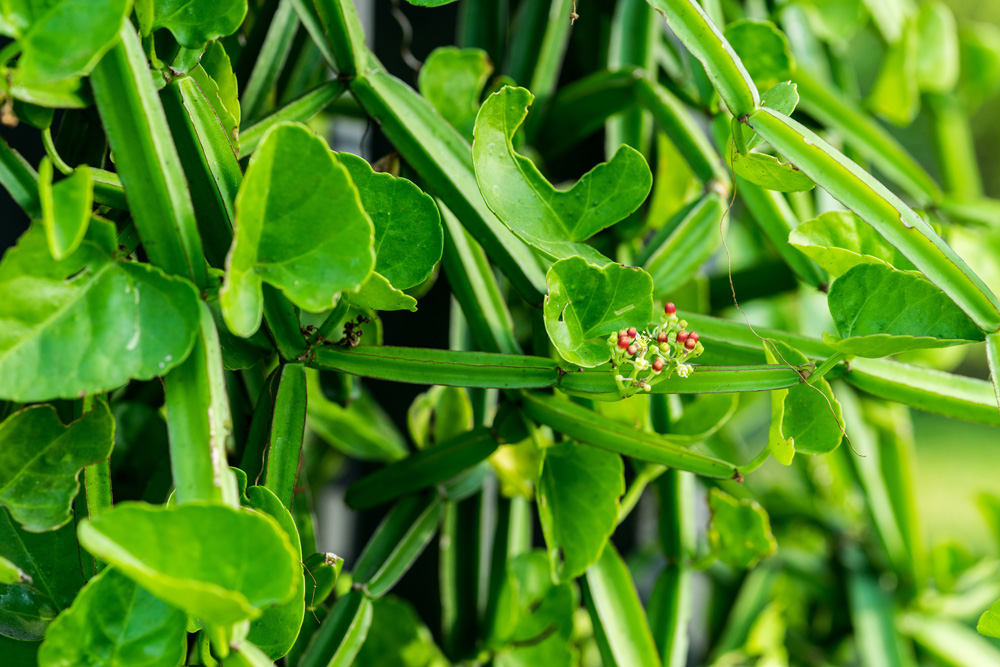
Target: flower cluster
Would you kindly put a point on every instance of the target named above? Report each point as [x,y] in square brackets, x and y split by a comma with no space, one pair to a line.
[653,354]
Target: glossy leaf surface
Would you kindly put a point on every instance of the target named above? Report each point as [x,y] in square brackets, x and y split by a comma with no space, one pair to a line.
[880,311]
[192,23]
[219,564]
[300,226]
[41,460]
[553,221]
[586,304]
[106,321]
[116,622]
[453,80]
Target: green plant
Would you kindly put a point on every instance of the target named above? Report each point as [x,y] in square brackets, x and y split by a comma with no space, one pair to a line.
[193,311]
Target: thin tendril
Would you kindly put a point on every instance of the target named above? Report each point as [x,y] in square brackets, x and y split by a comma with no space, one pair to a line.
[732,289]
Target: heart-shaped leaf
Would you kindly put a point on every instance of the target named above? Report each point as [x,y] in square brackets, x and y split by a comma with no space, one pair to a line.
[87,324]
[554,221]
[839,240]
[578,492]
[40,460]
[278,627]
[452,80]
[740,531]
[880,311]
[192,22]
[806,417]
[769,172]
[763,49]
[219,564]
[65,208]
[586,304]
[300,226]
[51,562]
[408,235]
[61,39]
[114,622]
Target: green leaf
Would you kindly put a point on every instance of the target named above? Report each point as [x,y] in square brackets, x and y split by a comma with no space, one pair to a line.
[839,240]
[620,624]
[989,622]
[937,53]
[113,622]
[880,311]
[586,304]
[805,417]
[740,531]
[769,172]
[66,208]
[896,96]
[192,22]
[398,638]
[553,221]
[439,414]
[452,80]
[219,564]
[216,64]
[324,570]
[87,324]
[278,627]
[300,226]
[408,236]
[764,51]
[783,97]
[51,562]
[11,573]
[533,614]
[40,460]
[62,39]
[578,492]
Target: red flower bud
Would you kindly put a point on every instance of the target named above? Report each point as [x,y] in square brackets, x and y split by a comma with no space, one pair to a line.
[658,365]
[670,308]
[632,349]
[623,342]
[662,338]
[691,342]
[632,332]
[682,336]
[694,336]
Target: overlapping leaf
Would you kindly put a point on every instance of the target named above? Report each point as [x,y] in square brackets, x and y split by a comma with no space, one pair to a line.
[300,226]
[66,208]
[114,622]
[452,80]
[51,563]
[192,22]
[553,221]
[87,324]
[219,564]
[763,49]
[586,304]
[60,39]
[408,236]
[806,417]
[839,240]
[880,311]
[40,460]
